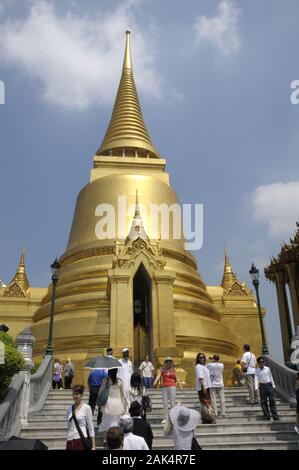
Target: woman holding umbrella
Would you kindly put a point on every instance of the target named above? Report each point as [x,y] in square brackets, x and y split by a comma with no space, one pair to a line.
[113,400]
[111,396]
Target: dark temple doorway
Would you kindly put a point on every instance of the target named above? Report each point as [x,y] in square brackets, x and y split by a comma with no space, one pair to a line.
[142,306]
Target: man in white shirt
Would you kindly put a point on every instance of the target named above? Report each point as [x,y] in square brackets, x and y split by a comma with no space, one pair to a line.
[217,385]
[125,372]
[146,369]
[266,387]
[248,368]
[131,441]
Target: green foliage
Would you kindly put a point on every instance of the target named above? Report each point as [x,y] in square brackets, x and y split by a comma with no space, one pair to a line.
[14,362]
[7,339]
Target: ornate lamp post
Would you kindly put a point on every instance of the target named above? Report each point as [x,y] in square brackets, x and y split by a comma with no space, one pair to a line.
[55,268]
[254,274]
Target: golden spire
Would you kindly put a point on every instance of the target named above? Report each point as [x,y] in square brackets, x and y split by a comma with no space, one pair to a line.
[229,276]
[126,134]
[20,277]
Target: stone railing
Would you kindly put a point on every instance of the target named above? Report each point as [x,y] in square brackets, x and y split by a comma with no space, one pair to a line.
[11,408]
[40,384]
[26,395]
[284,379]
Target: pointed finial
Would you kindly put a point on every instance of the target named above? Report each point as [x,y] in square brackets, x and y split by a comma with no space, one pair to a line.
[229,276]
[137,229]
[127,134]
[22,259]
[128,59]
[20,278]
[226,258]
[137,212]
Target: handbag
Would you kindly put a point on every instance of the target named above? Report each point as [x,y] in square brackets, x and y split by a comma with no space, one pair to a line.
[146,403]
[207,415]
[194,444]
[86,441]
[103,396]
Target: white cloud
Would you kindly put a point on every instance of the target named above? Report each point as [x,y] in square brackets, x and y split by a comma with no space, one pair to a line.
[277,205]
[221,31]
[77,59]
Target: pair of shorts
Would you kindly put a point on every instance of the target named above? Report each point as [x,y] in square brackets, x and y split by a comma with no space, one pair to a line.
[204,397]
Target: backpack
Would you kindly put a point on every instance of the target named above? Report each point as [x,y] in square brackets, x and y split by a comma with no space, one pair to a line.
[102,397]
[146,403]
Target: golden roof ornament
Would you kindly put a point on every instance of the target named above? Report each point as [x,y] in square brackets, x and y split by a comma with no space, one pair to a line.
[137,229]
[127,135]
[19,285]
[229,276]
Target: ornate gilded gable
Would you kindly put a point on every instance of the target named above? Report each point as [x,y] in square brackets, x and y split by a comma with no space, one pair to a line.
[237,289]
[125,255]
[14,290]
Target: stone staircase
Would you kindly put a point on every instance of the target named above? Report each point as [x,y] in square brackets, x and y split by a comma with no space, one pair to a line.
[243,428]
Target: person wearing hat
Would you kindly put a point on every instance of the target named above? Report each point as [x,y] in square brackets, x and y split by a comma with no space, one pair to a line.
[141,427]
[182,424]
[168,379]
[217,385]
[131,441]
[125,372]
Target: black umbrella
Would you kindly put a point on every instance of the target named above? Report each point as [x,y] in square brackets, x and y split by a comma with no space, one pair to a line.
[18,443]
[102,362]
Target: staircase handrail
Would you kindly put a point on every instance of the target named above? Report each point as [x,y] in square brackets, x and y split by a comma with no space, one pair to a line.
[40,384]
[284,379]
[10,408]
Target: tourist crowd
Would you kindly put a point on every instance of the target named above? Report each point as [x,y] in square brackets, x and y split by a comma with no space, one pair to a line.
[123,401]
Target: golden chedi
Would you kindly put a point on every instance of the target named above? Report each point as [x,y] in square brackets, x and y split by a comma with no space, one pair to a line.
[136,290]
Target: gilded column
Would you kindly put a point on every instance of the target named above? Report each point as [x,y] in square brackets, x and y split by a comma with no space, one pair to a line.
[164,321]
[292,272]
[284,315]
[121,307]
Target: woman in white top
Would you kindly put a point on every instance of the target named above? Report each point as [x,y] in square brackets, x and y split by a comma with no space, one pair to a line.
[136,391]
[57,375]
[116,403]
[83,415]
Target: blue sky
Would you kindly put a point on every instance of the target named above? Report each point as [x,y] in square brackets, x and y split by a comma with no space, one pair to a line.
[214,81]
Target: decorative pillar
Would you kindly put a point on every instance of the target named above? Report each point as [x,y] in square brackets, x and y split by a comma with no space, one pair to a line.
[284,315]
[25,341]
[164,320]
[121,308]
[295,350]
[291,268]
